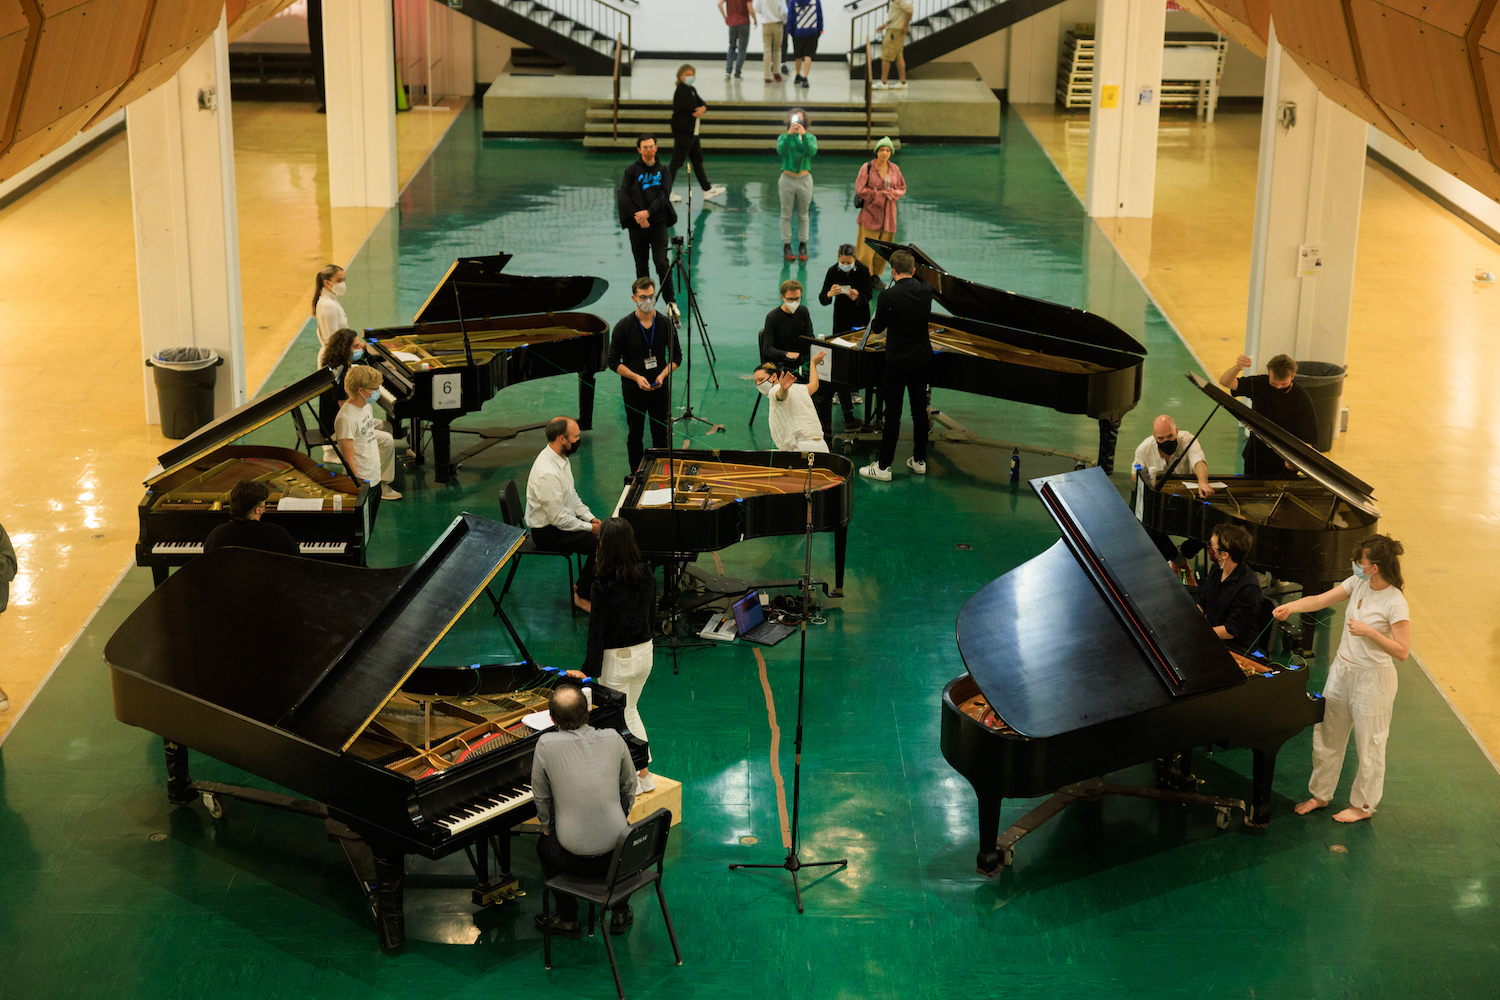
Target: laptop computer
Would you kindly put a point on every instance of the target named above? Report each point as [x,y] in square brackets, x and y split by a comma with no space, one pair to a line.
[750,619]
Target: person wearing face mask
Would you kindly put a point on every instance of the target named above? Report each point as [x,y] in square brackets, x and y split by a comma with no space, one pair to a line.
[1279,399]
[247,502]
[1152,458]
[795,425]
[328,287]
[369,453]
[643,351]
[687,109]
[848,287]
[1230,597]
[344,348]
[558,520]
[1360,692]
[784,339]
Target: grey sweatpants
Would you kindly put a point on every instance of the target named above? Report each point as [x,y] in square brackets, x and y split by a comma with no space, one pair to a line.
[795,191]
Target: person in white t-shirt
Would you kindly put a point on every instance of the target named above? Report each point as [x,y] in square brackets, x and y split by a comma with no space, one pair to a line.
[327,287]
[368,453]
[1361,688]
[794,419]
[1157,452]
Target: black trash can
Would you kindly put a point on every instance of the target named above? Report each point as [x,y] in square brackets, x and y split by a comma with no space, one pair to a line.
[1325,384]
[185,379]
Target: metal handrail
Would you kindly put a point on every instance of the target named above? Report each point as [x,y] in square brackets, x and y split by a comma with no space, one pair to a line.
[862,25]
[598,16]
[869,87]
[615,122]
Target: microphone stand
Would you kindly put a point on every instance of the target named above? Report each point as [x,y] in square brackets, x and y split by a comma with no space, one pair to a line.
[684,276]
[793,863]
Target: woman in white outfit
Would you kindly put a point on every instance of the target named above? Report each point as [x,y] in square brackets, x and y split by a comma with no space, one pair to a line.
[327,288]
[1361,688]
[620,653]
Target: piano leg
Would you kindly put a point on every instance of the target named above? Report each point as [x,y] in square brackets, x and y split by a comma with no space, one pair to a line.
[840,547]
[502,886]
[1109,434]
[159,573]
[1259,813]
[989,860]
[390,920]
[586,401]
[443,469]
[179,783]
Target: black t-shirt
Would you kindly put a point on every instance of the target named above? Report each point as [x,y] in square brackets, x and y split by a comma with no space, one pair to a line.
[1290,408]
[783,332]
[903,312]
[631,344]
[848,315]
[249,534]
[1233,603]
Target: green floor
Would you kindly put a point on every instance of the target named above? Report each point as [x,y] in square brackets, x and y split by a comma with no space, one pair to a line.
[109,893]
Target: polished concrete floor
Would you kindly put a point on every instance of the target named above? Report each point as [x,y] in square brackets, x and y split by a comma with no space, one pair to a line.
[111,893]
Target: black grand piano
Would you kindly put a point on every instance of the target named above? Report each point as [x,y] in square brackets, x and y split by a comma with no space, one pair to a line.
[479,332]
[390,773]
[187,492]
[1009,346]
[1305,528]
[1092,657]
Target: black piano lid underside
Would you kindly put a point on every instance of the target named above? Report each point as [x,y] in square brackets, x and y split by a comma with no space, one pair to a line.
[1341,481]
[1056,647]
[1009,309]
[483,291]
[241,421]
[311,648]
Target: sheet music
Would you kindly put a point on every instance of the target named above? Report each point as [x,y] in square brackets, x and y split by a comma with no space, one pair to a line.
[656,498]
[300,503]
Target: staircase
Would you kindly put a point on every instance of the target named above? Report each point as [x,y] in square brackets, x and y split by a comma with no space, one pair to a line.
[577,33]
[938,27]
[741,127]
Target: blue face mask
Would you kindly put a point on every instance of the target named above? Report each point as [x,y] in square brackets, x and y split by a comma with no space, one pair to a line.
[689,79]
[357,353]
[1359,571]
[846,267]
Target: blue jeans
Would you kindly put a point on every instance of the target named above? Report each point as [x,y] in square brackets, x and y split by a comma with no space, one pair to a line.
[739,42]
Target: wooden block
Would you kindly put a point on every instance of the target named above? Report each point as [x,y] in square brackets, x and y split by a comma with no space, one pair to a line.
[667,795]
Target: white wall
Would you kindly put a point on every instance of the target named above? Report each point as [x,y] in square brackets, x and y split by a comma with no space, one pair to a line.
[1244,71]
[289,27]
[990,56]
[1444,183]
[696,26]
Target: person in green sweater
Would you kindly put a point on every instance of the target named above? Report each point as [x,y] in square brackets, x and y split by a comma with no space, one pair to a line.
[796,147]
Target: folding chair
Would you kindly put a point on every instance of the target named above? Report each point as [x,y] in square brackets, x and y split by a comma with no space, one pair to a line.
[511,511]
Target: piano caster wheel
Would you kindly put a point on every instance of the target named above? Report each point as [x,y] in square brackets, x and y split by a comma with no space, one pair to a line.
[1221,817]
[214,805]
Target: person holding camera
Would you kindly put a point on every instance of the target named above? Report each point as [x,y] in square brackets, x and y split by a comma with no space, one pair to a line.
[796,147]
[795,423]
[643,350]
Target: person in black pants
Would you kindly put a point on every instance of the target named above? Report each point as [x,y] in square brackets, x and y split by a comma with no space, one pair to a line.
[687,108]
[903,313]
[643,349]
[848,287]
[784,342]
[646,213]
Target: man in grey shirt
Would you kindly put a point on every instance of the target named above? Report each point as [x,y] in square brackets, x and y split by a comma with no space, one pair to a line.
[583,781]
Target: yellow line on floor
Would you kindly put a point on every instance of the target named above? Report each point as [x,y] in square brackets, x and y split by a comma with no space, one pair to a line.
[765,685]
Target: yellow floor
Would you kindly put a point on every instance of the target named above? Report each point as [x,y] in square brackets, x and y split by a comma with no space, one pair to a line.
[77,441]
[1424,424]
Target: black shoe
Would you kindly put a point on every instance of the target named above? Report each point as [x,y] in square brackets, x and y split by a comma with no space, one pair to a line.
[877,284]
[553,924]
[629,478]
[621,919]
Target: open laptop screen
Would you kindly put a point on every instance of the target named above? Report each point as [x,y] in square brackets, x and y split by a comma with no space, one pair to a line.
[748,612]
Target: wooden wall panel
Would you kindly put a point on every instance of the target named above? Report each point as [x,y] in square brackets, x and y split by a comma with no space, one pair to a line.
[1246,21]
[176,29]
[1452,16]
[19,26]
[77,60]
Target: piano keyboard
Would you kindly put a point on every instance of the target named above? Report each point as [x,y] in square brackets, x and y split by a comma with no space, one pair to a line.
[475,813]
[196,548]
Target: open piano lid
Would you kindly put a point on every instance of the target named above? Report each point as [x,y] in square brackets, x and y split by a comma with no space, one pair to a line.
[310,648]
[991,305]
[1347,486]
[1096,628]
[482,291]
[241,421]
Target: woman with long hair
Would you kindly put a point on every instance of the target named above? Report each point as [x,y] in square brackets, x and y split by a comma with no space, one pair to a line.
[327,287]
[620,652]
[1361,689]
[343,349]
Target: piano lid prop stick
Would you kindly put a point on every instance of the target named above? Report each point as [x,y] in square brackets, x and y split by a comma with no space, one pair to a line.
[1178,457]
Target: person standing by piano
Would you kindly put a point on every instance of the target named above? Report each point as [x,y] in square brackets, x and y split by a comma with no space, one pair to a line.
[583,782]
[558,520]
[1230,598]
[327,287]
[643,350]
[368,453]
[903,313]
[784,340]
[646,212]
[1280,400]
[848,287]
[1152,457]
[247,502]
[1360,692]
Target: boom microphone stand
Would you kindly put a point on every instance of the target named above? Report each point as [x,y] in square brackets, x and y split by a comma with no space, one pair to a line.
[793,863]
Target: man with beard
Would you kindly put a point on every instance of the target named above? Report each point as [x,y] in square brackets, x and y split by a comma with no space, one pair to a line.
[1275,397]
[557,519]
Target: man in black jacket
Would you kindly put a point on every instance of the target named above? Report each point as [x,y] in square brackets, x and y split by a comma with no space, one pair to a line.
[646,212]
[783,342]
[903,314]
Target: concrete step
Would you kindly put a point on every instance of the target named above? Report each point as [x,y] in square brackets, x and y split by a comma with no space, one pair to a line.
[717,130]
[772,117]
[746,144]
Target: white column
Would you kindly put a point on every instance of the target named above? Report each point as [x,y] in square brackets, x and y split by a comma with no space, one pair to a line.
[1128,38]
[187,238]
[359,58]
[1308,190]
[1031,72]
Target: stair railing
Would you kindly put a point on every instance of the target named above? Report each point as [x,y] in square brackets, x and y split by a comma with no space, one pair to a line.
[602,18]
[869,81]
[615,119]
[862,26]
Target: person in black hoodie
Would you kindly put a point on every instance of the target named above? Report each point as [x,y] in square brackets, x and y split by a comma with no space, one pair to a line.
[645,213]
[687,108]
[848,286]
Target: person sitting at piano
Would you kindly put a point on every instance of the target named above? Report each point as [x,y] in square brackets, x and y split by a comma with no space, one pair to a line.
[342,349]
[1280,400]
[784,340]
[793,417]
[1230,598]
[1151,460]
[368,452]
[583,782]
[644,351]
[557,519]
[247,502]
[903,314]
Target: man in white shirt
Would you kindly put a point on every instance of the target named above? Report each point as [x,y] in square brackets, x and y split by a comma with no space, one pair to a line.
[794,419]
[558,520]
[772,14]
[1151,460]
[368,453]
[892,49]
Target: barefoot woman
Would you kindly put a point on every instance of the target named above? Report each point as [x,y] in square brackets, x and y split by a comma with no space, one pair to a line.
[1361,687]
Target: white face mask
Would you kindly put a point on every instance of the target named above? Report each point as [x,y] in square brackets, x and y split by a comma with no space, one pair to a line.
[338,288]
[846,267]
[689,79]
[645,303]
[790,305]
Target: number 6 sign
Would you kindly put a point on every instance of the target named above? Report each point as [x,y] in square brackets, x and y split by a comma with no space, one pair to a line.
[447,392]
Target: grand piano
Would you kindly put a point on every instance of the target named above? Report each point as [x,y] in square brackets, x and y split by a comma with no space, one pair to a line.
[481,331]
[1009,346]
[188,491]
[723,497]
[1304,528]
[390,772]
[1092,657]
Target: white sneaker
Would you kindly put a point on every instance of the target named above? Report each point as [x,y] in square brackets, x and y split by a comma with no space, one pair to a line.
[874,471]
[386,493]
[920,468]
[646,784]
[898,85]
[717,191]
[877,85]
[856,398]
[675,197]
